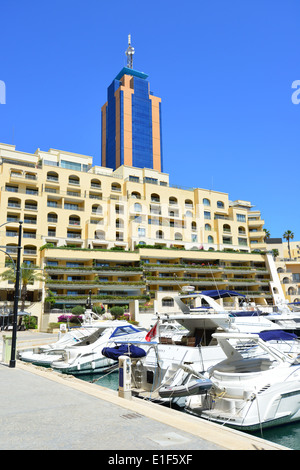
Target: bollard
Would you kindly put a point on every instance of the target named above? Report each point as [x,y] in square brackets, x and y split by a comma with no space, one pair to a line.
[125,377]
[6,351]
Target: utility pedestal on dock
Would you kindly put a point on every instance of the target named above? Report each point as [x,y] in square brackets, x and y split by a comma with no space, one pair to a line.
[6,350]
[125,377]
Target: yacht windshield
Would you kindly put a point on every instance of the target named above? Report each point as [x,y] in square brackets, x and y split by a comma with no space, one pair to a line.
[124,330]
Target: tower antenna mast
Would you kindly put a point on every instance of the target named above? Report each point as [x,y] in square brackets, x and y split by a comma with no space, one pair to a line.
[129,53]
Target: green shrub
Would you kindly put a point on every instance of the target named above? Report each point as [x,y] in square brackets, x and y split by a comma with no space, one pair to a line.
[117,311]
[78,310]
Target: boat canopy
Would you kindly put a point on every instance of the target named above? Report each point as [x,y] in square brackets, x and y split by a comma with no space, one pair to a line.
[129,350]
[220,294]
[123,331]
[277,335]
[245,313]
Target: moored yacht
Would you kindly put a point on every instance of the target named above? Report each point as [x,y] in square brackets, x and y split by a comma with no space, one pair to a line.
[201,316]
[87,357]
[256,386]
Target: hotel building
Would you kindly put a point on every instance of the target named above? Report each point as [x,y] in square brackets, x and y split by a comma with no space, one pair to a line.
[121,230]
[287,261]
[124,234]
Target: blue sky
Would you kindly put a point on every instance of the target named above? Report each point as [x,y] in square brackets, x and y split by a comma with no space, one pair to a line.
[224,71]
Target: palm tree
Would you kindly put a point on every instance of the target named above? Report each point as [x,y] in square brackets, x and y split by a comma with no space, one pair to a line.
[28,276]
[288,235]
[267,234]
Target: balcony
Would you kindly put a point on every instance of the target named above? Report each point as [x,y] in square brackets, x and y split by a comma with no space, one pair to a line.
[255,222]
[74,235]
[257,234]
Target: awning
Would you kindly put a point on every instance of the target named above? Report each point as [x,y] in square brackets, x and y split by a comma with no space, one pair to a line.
[277,335]
[220,294]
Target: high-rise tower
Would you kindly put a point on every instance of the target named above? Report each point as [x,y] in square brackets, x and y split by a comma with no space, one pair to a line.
[131,121]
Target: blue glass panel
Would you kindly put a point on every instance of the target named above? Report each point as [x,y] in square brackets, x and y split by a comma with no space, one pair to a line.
[111,125]
[142,152]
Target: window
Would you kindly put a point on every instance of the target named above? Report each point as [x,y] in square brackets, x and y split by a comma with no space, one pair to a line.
[150,180]
[194,237]
[119,223]
[120,236]
[240,217]
[167,302]
[12,202]
[227,240]
[172,201]
[95,183]
[12,189]
[207,227]
[52,217]
[242,241]
[52,263]
[52,176]
[210,239]
[141,232]
[226,228]
[74,220]
[11,233]
[207,215]
[135,179]
[30,205]
[74,180]
[70,165]
[99,234]
[194,226]
[33,191]
[29,220]
[188,203]
[137,207]
[119,209]
[12,218]
[29,234]
[206,202]
[178,236]
[159,234]
[71,206]
[97,209]
[242,231]
[116,187]
[155,198]
[189,214]
[71,234]
[220,204]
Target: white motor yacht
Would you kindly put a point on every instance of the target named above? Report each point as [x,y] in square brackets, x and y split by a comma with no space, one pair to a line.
[87,357]
[256,386]
[44,355]
[198,348]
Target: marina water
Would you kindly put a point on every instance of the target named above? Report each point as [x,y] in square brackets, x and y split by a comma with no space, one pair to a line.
[287,435]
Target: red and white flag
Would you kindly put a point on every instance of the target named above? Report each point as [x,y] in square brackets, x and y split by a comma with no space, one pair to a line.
[152,333]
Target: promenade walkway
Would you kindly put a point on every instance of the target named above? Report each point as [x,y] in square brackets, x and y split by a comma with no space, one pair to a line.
[44,410]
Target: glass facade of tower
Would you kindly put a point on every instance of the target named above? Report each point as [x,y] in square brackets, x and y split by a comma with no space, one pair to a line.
[131,123]
[142,152]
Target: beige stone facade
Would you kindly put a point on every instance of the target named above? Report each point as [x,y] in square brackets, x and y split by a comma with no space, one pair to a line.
[122,234]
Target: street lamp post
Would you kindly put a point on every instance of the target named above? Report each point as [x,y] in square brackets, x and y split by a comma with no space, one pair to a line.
[16,300]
